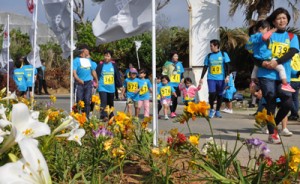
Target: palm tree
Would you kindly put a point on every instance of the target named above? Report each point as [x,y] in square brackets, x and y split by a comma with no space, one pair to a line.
[261,7]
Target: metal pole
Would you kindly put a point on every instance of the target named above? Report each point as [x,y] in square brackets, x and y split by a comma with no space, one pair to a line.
[137,55]
[154,101]
[8,40]
[71,60]
[34,49]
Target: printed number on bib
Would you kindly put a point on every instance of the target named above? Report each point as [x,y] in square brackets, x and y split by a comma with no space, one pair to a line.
[108,79]
[144,90]
[279,49]
[175,78]
[215,69]
[132,86]
[166,91]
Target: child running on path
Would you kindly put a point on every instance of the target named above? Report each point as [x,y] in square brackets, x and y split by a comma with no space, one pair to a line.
[166,91]
[131,85]
[189,90]
[144,96]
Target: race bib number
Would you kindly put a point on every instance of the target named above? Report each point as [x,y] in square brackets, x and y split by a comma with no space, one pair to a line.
[132,87]
[108,79]
[165,91]
[215,70]
[144,90]
[175,78]
[279,49]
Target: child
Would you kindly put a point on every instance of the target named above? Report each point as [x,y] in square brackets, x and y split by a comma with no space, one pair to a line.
[144,95]
[258,43]
[131,84]
[165,91]
[159,106]
[228,95]
[189,90]
[20,77]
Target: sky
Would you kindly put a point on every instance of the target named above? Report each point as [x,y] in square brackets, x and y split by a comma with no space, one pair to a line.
[176,12]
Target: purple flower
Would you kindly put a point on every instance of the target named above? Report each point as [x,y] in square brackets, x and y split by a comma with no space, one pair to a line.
[103,132]
[254,141]
[265,150]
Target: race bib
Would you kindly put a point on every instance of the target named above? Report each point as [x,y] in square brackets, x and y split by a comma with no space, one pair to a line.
[132,87]
[175,78]
[215,70]
[165,91]
[279,49]
[144,90]
[108,79]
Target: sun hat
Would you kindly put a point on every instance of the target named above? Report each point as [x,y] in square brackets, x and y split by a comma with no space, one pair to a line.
[133,70]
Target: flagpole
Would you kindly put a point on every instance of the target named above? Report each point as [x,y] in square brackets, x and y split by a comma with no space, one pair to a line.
[71,60]
[154,96]
[137,55]
[34,49]
[8,40]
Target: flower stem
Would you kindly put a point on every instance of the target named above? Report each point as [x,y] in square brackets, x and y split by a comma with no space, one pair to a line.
[187,123]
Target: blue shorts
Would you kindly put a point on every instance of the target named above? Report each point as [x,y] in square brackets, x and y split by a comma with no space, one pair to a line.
[216,86]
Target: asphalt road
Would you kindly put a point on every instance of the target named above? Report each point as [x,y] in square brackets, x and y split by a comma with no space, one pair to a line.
[225,129]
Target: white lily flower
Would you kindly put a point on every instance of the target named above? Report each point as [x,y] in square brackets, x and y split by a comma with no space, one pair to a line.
[11,96]
[76,135]
[2,112]
[23,126]
[69,123]
[35,114]
[4,123]
[31,169]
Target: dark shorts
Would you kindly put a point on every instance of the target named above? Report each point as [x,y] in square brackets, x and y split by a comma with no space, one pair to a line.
[216,86]
[29,88]
[226,100]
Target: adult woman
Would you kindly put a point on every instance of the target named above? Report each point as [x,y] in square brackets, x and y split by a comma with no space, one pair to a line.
[109,79]
[175,77]
[283,46]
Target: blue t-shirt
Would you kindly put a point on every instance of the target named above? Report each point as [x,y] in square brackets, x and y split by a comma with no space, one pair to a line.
[19,77]
[260,47]
[175,78]
[279,45]
[28,72]
[157,92]
[165,91]
[84,68]
[144,85]
[215,63]
[231,90]
[131,86]
[107,78]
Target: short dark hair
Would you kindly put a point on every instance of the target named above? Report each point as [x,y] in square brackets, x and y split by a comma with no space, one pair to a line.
[19,62]
[188,80]
[81,47]
[215,42]
[275,13]
[108,52]
[165,77]
[172,54]
[261,24]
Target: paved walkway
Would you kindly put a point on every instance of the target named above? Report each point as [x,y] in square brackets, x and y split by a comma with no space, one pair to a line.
[225,129]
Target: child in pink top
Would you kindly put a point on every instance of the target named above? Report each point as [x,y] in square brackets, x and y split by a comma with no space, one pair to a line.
[189,90]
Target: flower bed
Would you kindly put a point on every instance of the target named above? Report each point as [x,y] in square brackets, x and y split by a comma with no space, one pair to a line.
[45,145]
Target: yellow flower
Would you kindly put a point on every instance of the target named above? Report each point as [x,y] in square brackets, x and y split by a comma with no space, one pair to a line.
[194,140]
[155,151]
[294,150]
[286,181]
[145,122]
[81,104]
[107,144]
[294,166]
[53,115]
[109,110]
[53,98]
[166,150]
[96,99]
[121,116]
[97,107]
[202,108]
[81,118]
[262,118]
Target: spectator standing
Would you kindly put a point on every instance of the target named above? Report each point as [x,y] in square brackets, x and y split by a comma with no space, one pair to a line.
[41,78]
[28,68]
[19,77]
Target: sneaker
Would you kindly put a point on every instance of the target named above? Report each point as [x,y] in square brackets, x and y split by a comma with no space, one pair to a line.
[211,113]
[218,114]
[293,118]
[166,117]
[265,130]
[274,139]
[229,111]
[287,87]
[224,110]
[286,132]
[173,115]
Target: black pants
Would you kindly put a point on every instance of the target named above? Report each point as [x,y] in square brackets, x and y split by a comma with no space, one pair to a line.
[173,107]
[42,84]
[106,99]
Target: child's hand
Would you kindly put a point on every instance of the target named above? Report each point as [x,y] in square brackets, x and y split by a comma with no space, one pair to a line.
[136,91]
[273,30]
[182,81]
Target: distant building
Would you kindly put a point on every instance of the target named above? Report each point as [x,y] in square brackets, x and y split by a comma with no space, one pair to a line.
[23,23]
